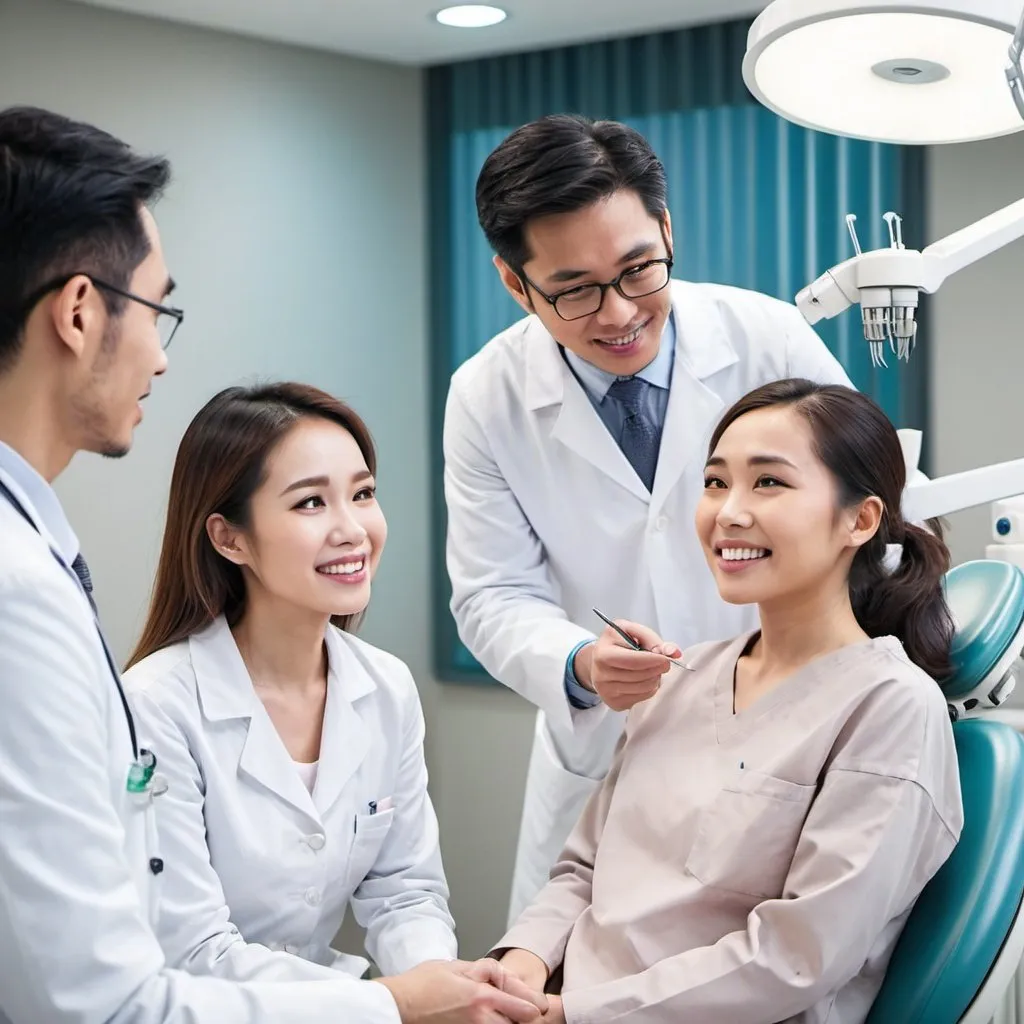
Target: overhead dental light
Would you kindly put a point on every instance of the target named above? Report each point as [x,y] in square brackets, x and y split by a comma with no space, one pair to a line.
[911,72]
[904,71]
[908,71]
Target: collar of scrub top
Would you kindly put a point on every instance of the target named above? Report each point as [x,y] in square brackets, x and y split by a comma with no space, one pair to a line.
[657,372]
[41,504]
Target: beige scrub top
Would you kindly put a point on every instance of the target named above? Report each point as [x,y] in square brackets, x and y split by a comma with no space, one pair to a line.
[758,867]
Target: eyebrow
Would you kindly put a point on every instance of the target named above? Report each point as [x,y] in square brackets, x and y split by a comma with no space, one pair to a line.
[323,481]
[638,250]
[754,460]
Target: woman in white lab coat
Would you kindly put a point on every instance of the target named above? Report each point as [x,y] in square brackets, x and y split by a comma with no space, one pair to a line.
[779,803]
[293,750]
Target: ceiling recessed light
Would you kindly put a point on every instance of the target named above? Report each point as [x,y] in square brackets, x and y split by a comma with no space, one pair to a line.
[471,16]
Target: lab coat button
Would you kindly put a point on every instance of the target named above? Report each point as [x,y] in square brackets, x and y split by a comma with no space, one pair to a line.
[660,523]
[316,841]
[313,897]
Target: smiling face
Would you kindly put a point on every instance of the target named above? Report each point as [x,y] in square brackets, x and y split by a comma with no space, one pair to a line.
[595,245]
[315,532]
[769,520]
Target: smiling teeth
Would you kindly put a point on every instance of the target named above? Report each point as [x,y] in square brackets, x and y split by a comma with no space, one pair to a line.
[743,554]
[347,569]
[627,340]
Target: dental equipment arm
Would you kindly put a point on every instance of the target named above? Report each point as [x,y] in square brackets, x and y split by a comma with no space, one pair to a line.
[886,282]
[929,499]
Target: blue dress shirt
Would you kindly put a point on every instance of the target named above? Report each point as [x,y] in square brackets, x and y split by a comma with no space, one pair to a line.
[44,500]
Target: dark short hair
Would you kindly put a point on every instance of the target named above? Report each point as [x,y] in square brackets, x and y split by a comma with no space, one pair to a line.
[560,164]
[859,446]
[70,196]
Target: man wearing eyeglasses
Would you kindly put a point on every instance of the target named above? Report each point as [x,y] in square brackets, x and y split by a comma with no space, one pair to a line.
[574,450]
[83,329]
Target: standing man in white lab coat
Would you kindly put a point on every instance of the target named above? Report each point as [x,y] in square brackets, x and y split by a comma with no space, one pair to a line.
[84,322]
[574,449]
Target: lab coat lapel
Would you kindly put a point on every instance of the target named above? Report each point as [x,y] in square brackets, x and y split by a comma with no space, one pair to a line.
[345,740]
[577,426]
[226,692]
[694,408]
[266,761]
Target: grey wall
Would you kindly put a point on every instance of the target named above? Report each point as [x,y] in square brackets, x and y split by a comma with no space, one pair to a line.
[294,228]
[480,747]
[978,354]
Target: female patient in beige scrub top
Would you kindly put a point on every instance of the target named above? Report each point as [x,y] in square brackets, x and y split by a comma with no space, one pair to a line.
[774,811]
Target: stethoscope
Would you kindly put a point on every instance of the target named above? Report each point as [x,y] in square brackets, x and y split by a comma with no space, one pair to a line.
[140,783]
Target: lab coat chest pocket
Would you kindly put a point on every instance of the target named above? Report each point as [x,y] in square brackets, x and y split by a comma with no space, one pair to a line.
[370,832]
[747,835]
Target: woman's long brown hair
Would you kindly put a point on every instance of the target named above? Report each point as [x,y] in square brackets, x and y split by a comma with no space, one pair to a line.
[221,462]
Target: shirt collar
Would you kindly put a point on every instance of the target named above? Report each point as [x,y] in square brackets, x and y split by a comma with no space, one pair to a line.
[43,499]
[225,687]
[657,372]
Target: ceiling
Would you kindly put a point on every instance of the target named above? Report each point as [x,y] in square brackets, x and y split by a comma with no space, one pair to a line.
[404,31]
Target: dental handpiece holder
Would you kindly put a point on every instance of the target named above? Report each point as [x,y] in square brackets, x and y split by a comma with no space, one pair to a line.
[887,282]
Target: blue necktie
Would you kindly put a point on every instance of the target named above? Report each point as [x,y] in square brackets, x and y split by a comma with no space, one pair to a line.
[82,572]
[85,578]
[640,435]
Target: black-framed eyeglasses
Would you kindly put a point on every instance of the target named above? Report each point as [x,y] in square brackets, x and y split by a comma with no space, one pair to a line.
[586,299]
[168,318]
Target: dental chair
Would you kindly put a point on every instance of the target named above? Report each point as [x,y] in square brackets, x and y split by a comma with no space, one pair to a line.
[964,939]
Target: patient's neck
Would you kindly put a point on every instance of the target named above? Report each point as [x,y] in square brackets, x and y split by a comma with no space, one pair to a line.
[802,627]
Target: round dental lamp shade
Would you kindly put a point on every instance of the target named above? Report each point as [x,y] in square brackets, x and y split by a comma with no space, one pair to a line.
[904,71]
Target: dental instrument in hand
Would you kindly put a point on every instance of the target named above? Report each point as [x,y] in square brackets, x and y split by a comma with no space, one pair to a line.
[632,641]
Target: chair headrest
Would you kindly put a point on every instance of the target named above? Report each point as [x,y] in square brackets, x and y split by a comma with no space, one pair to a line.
[986,598]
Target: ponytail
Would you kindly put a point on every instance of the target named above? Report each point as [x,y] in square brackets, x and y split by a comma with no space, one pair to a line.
[909,602]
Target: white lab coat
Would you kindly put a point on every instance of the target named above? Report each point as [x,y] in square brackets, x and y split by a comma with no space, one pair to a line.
[547,520]
[255,863]
[77,897]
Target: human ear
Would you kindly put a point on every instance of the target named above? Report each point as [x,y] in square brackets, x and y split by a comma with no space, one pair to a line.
[514,285]
[865,521]
[227,540]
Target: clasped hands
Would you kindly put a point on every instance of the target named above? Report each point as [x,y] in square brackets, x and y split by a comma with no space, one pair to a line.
[530,970]
[482,992]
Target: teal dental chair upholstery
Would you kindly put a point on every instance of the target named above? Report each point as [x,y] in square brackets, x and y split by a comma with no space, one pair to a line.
[964,939]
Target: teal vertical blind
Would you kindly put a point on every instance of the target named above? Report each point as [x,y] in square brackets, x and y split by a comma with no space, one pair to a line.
[755,201]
